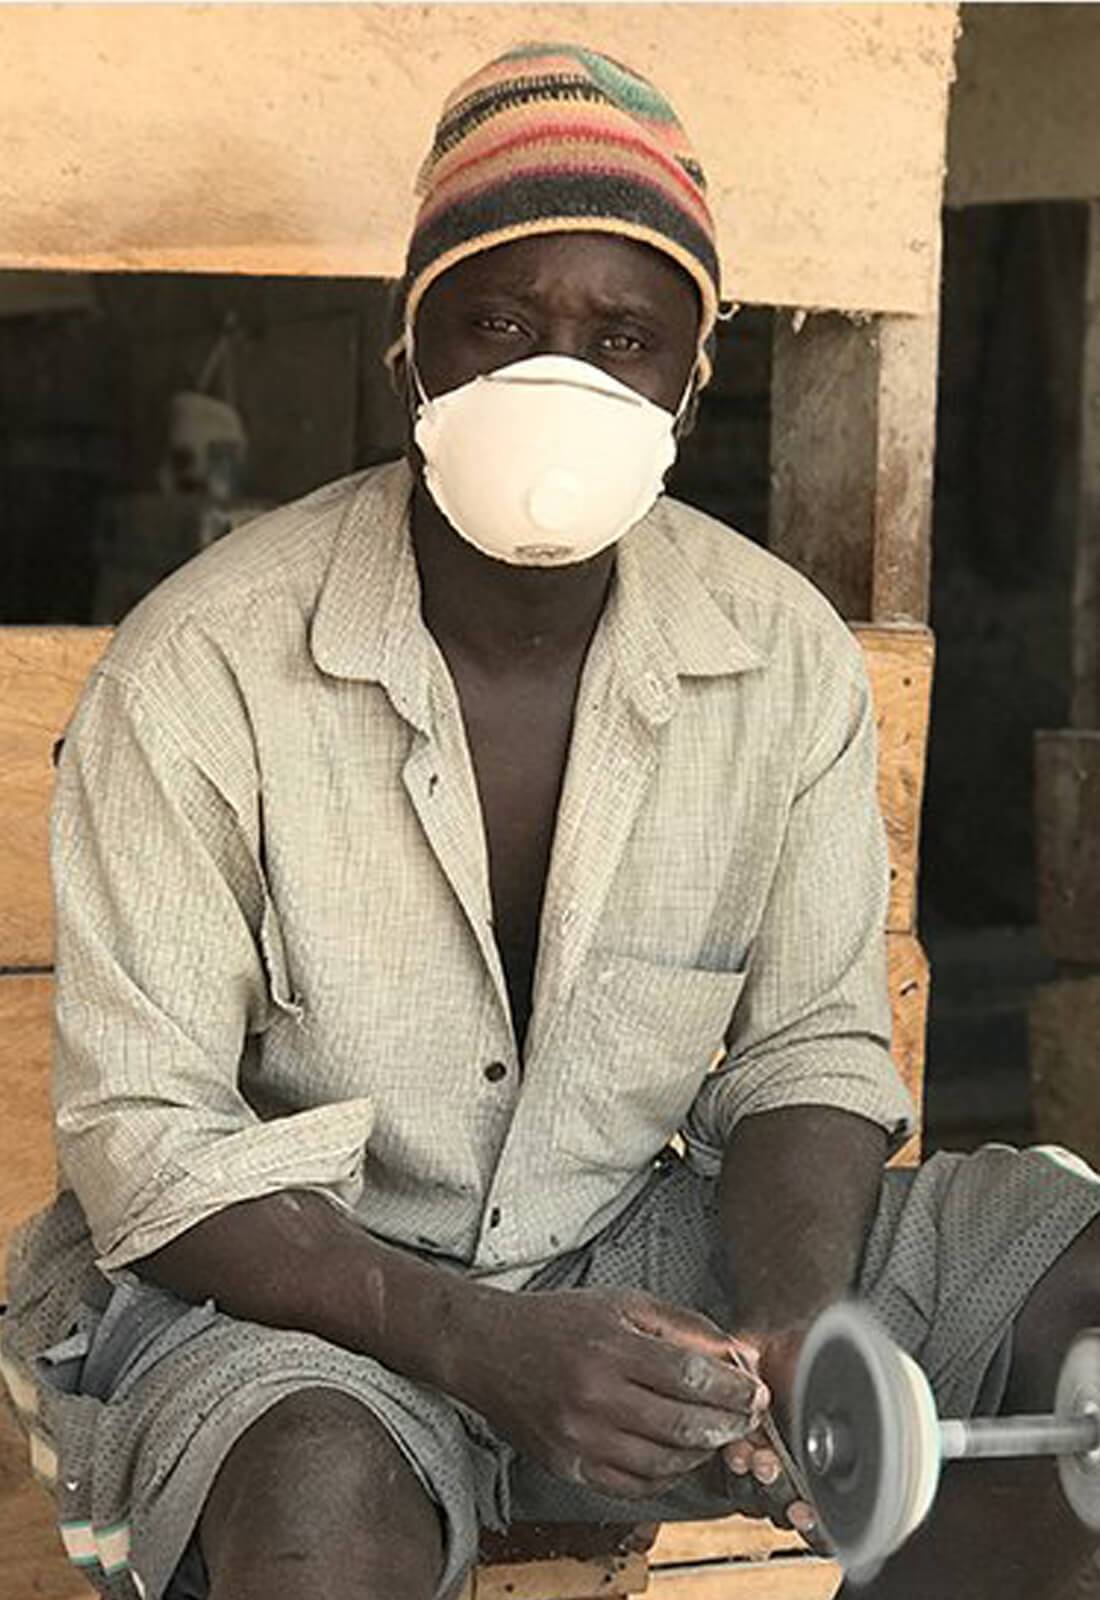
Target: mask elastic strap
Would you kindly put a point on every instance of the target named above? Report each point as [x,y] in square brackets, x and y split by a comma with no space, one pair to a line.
[688,395]
[410,362]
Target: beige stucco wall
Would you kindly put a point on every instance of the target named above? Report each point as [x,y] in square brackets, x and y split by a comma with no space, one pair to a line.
[1025,113]
[285,138]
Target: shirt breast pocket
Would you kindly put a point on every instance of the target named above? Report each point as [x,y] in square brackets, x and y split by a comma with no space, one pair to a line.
[641,1039]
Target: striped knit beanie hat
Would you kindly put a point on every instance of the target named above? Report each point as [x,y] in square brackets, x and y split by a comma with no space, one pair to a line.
[551,138]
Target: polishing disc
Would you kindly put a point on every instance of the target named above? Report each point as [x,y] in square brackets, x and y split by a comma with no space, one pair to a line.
[1078,1394]
[879,1485]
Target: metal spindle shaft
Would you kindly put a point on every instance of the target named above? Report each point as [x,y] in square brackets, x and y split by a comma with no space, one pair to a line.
[1020,1436]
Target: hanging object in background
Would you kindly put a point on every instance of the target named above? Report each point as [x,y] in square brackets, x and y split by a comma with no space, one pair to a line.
[200,491]
[207,453]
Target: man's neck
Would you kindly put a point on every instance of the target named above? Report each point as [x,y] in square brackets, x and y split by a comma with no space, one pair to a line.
[494,614]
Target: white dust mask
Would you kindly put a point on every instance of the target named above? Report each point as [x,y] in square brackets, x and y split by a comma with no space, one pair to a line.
[545,461]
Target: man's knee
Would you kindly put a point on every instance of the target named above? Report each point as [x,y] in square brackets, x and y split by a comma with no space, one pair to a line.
[318,1483]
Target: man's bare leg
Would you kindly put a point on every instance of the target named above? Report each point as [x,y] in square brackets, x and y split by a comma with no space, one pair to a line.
[1000,1528]
[316,1502]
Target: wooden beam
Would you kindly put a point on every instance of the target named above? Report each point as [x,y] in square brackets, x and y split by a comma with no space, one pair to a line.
[1067,817]
[42,671]
[1085,698]
[853,439]
[1065,1025]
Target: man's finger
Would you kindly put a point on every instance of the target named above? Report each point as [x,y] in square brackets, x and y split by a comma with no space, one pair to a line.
[693,1377]
[676,1425]
[686,1328]
[766,1466]
[801,1516]
[738,1457]
[641,1458]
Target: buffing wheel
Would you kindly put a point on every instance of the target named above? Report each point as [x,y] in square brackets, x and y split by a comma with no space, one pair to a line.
[1078,1394]
[867,1438]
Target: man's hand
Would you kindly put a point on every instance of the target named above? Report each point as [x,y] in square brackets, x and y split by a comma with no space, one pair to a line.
[613,1390]
[776,1356]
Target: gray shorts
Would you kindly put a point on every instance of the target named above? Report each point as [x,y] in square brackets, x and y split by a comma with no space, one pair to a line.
[132,1399]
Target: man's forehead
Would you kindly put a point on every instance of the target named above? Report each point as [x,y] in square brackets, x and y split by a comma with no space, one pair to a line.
[600,267]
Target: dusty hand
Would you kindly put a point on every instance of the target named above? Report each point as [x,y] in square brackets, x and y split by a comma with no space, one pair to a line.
[614,1390]
[756,1455]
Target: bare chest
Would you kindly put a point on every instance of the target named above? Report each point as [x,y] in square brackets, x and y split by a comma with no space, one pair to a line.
[519,734]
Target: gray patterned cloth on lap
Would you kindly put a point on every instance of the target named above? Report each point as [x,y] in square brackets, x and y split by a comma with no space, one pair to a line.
[131,1399]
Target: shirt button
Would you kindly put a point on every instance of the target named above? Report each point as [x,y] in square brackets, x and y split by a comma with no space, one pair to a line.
[495,1071]
[494,1217]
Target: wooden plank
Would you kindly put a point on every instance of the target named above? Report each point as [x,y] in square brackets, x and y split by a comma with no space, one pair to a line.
[725,1538]
[34,1563]
[908,364]
[1065,1027]
[1067,807]
[853,404]
[27,1170]
[41,673]
[562,1579]
[782,1578]
[1085,646]
[899,664]
[908,978]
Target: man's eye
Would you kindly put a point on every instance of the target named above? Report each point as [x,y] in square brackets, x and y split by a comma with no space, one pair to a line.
[621,344]
[499,324]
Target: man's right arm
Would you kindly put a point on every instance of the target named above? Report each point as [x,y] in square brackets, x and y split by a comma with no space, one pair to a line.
[613,1390]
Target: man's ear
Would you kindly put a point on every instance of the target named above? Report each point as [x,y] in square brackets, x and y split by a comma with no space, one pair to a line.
[400,383]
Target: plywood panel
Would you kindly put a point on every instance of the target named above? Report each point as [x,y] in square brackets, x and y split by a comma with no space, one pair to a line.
[285,138]
[736,1538]
[563,1579]
[899,664]
[908,981]
[26,1138]
[41,674]
[782,1578]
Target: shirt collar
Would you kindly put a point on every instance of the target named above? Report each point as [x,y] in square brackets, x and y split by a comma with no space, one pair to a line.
[368,622]
[662,621]
[666,623]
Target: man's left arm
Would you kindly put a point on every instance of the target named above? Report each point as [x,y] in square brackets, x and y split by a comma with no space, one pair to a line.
[808,1102]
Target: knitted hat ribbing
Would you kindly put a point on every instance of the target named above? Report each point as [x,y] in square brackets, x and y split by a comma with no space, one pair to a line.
[551,138]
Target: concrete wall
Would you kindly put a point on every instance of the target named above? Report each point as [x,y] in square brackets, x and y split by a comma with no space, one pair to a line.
[285,138]
[1025,111]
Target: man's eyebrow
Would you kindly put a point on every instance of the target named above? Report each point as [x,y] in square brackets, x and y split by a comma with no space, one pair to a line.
[604,305]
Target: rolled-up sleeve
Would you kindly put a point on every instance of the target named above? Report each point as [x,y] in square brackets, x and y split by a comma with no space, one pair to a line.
[167,974]
[812,1024]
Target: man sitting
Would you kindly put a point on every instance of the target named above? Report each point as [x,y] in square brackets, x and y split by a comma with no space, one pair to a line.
[428,856]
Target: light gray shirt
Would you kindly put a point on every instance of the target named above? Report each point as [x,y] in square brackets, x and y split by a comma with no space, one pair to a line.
[275,956]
